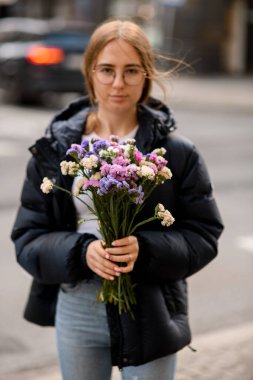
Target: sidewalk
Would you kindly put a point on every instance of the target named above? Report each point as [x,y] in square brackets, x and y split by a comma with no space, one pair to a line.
[221,355]
[212,92]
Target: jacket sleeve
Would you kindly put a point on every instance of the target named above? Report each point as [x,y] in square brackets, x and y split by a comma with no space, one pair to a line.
[191,242]
[52,255]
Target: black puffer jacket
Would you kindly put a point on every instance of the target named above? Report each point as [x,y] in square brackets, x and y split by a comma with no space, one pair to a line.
[51,250]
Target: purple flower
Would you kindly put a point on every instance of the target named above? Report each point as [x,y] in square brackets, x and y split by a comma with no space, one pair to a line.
[74,150]
[85,145]
[137,194]
[100,145]
[107,184]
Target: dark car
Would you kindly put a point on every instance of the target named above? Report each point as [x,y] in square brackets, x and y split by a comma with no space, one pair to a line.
[38,56]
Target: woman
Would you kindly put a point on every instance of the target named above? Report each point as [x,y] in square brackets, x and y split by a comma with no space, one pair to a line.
[68,261]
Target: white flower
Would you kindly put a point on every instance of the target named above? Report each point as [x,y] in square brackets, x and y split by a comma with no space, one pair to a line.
[150,164]
[127,149]
[69,167]
[103,153]
[89,162]
[113,150]
[165,172]
[64,167]
[79,185]
[164,215]
[46,185]
[146,171]
[73,168]
[160,207]
[159,151]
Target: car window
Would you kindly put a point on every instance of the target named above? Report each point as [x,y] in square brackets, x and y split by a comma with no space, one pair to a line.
[67,39]
[18,36]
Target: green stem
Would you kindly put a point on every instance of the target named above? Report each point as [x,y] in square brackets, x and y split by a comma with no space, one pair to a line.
[141,224]
[73,195]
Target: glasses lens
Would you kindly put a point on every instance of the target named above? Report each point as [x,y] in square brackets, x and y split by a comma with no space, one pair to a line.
[133,77]
[104,75]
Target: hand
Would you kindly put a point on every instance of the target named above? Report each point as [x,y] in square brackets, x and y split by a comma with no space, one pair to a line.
[124,250]
[97,261]
[103,262]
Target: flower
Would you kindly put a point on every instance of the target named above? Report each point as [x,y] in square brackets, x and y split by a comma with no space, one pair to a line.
[164,215]
[89,162]
[119,178]
[69,167]
[78,187]
[165,173]
[46,185]
[146,171]
[159,151]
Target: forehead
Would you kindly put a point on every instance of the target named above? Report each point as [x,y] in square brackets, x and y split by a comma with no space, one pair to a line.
[118,52]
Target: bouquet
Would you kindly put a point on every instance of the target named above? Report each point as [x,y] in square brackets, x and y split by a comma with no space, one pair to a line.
[118,178]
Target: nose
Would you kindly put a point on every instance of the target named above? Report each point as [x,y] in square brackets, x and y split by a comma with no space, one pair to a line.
[118,80]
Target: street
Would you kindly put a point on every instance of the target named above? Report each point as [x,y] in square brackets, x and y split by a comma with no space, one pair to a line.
[220,295]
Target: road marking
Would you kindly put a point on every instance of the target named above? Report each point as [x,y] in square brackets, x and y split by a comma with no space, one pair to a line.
[245,242]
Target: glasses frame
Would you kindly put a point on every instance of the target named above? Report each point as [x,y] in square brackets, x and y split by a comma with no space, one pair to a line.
[123,77]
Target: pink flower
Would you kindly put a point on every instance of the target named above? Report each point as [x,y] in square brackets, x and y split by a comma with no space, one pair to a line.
[138,156]
[121,161]
[158,160]
[91,183]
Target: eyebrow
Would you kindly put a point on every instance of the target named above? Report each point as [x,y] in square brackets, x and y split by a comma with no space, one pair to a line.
[128,65]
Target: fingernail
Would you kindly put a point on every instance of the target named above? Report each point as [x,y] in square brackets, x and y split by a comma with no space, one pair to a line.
[111,278]
[114,243]
[107,256]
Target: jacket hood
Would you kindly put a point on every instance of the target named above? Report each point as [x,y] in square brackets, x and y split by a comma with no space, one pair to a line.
[156,121]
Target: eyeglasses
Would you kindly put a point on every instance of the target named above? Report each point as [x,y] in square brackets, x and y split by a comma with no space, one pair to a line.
[131,76]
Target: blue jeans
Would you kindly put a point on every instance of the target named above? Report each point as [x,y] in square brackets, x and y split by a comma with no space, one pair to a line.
[83,339]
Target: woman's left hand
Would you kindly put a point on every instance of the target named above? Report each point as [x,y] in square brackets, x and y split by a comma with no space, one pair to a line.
[124,250]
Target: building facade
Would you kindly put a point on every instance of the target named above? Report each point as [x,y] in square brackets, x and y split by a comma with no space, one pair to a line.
[212,36]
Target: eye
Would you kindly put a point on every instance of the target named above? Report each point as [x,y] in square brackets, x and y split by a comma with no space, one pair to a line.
[106,70]
[132,71]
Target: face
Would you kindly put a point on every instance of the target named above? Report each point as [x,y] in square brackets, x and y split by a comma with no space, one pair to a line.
[119,57]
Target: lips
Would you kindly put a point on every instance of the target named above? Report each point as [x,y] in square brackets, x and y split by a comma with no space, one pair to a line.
[118,97]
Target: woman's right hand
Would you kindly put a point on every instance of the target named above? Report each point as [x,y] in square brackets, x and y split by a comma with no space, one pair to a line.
[98,263]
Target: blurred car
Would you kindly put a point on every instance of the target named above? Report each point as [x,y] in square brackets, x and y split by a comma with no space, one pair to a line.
[38,56]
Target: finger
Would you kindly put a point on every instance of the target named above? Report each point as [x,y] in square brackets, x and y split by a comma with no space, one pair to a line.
[124,241]
[123,258]
[128,268]
[123,250]
[120,250]
[97,263]
[106,270]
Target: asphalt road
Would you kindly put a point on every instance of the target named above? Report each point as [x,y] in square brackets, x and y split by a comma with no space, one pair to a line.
[220,295]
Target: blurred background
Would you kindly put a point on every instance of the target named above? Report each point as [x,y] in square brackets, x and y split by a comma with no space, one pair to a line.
[41,47]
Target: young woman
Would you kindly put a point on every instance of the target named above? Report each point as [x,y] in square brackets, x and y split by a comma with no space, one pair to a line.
[68,261]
